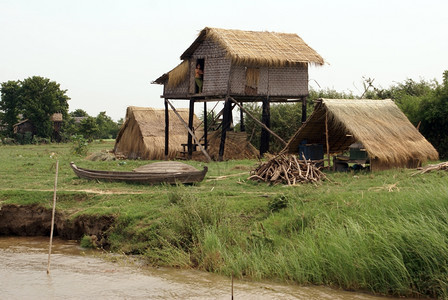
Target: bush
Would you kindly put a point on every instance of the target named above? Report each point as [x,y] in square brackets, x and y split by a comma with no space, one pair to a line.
[80,145]
[89,241]
[24,138]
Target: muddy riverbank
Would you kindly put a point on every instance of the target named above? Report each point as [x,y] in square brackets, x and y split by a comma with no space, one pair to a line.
[35,220]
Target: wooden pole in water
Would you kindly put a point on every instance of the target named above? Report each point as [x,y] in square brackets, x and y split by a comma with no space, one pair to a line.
[52,216]
[232,285]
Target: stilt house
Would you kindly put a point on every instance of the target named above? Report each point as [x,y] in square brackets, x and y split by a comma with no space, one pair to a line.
[241,66]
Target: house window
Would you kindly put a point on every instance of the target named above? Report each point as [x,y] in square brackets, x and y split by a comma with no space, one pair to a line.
[199,75]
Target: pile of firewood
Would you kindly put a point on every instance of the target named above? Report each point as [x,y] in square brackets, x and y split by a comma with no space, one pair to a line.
[429,168]
[287,169]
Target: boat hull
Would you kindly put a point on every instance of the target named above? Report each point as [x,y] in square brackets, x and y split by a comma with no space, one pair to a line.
[141,177]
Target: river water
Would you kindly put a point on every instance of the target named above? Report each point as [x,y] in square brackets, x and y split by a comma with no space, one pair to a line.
[77,274]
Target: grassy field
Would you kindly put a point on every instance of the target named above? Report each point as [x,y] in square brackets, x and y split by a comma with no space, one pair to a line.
[383,232]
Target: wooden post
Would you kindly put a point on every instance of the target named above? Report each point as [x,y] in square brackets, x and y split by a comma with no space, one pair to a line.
[326,139]
[225,126]
[52,216]
[242,127]
[232,286]
[167,129]
[266,120]
[190,125]
[303,110]
[205,125]
[191,132]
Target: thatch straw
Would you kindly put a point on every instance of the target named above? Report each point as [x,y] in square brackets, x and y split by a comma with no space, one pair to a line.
[259,48]
[178,74]
[56,117]
[385,132]
[143,134]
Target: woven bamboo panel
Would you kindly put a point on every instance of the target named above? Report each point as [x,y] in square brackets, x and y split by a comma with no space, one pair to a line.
[216,75]
[237,80]
[263,82]
[288,81]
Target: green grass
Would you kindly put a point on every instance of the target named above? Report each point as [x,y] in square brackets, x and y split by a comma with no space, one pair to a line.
[383,232]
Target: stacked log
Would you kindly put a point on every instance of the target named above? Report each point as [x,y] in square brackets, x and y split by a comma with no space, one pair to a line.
[429,168]
[287,169]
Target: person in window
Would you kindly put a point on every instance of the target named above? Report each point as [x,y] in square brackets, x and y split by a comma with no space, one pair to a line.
[198,76]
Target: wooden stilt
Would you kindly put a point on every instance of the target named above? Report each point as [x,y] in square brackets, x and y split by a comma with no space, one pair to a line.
[266,120]
[303,110]
[167,129]
[190,125]
[196,140]
[225,126]
[242,127]
[205,125]
[326,139]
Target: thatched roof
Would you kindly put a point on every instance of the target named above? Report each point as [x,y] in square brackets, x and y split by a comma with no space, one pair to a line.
[56,117]
[175,76]
[259,48]
[142,135]
[382,128]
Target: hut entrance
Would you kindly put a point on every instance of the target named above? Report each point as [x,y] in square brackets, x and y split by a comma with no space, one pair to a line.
[252,76]
[199,75]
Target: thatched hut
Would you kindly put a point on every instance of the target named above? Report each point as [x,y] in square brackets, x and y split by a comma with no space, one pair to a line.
[23,127]
[241,63]
[388,137]
[142,134]
[242,66]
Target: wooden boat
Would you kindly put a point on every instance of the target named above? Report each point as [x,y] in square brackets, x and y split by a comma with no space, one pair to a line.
[155,173]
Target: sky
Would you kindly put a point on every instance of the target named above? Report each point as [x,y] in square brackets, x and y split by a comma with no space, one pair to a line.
[107,53]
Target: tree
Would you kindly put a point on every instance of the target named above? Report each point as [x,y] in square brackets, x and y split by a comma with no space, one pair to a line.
[107,128]
[434,117]
[40,99]
[37,99]
[89,128]
[79,113]
[425,103]
[9,104]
